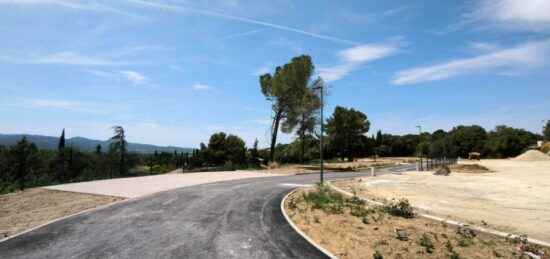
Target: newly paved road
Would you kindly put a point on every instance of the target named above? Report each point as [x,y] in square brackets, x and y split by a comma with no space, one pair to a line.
[231,219]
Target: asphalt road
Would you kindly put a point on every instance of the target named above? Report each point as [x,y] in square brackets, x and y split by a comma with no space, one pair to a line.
[231,219]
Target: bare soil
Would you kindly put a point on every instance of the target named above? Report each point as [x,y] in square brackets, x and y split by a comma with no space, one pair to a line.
[359,163]
[348,236]
[23,210]
[514,198]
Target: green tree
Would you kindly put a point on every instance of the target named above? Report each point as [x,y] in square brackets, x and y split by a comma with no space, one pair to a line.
[118,145]
[214,153]
[302,117]
[235,150]
[465,139]
[60,161]
[285,88]
[23,160]
[254,154]
[344,129]
[507,142]
[61,144]
[546,132]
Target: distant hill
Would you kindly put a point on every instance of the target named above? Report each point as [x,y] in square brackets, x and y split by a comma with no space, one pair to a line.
[83,144]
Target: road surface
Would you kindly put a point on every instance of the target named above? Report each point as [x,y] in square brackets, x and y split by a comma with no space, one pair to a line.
[231,219]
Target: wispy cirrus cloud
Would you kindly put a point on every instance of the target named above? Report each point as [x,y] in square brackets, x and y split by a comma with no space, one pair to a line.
[74,106]
[351,58]
[201,87]
[512,60]
[261,70]
[286,43]
[525,15]
[125,75]
[61,58]
[75,5]
[179,8]
[236,35]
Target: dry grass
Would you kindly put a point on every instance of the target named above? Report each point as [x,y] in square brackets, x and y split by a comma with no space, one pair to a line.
[469,168]
[23,210]
[348,236]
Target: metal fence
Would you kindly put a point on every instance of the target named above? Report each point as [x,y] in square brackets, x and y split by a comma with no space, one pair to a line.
[434,163]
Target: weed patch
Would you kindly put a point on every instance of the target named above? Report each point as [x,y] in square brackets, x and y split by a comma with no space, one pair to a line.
[400,209]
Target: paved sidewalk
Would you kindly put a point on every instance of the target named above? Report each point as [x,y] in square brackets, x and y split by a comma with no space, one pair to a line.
[132,187]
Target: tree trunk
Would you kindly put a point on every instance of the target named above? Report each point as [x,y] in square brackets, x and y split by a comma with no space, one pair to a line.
[302,148]
[274,131]
[350,152]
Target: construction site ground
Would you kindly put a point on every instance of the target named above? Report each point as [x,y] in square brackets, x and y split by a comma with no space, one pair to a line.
[514,197]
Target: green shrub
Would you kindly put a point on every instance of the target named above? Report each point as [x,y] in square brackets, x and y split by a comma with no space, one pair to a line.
[426,243]
[400,209]
[322,197]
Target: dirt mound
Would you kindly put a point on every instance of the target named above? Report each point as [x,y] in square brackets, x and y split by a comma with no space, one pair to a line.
[474,168]
[532,155]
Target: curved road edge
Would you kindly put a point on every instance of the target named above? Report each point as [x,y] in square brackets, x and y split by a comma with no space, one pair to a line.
[291,223]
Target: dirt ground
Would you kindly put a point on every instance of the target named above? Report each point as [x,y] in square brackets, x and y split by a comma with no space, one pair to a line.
[23,210]
[514,197]
[357,164]
[348,236]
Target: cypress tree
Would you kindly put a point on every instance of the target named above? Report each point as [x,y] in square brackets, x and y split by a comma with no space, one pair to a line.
[61,140]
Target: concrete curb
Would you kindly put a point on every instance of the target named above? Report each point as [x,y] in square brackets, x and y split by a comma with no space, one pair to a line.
[446,221]
[313,243]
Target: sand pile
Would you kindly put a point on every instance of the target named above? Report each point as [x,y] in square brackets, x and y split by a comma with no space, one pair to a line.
[466,168]
[532,155]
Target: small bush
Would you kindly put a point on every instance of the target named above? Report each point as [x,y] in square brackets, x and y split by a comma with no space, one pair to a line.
[426,243]
[324,197]
[377,255]
[400,236]
[400,209]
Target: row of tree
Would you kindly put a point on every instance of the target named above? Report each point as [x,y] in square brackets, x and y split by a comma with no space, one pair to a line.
[23,165]
[295,106]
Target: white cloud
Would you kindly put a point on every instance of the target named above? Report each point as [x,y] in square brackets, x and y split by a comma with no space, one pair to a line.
[286,43]
[525,11]
[519,15]
[135,77]
[263,122]
[75,5]
[510,61]
[63,58]
[179,8]
[352,58]
[236,35]
[261,70]
[175,67]
[59,105]
[201,87]
[126,75]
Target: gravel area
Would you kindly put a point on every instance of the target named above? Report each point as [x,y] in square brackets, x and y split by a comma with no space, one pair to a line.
[132,187]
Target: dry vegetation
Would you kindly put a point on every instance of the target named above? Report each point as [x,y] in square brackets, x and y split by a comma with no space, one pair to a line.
[349,229]
[469,168]
[23,210]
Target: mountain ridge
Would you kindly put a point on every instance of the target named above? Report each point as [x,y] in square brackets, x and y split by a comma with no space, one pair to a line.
[84,144]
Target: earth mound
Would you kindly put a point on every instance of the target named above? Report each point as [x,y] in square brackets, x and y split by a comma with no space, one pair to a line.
[474,168]
[532,155]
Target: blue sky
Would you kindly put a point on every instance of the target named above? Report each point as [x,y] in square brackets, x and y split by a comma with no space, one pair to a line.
[174,72]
